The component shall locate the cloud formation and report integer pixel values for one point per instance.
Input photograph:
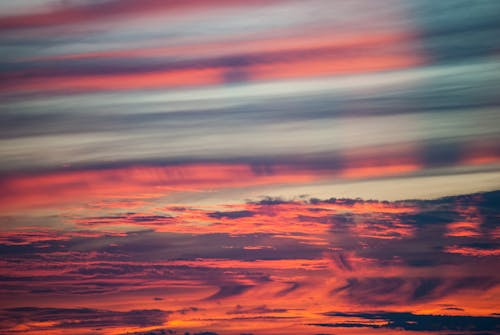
(206, 166)
(395, 91)
(40, 319)
(258, 261)
(413, 322)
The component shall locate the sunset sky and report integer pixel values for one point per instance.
(249, 167)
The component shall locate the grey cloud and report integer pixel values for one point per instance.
(455, 30)
(228, 291)
(420, 322)
(387, 291)
(231, 215)
(67, 318)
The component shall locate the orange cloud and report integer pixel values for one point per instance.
(134, 183)
(469, 251)
(133, 186)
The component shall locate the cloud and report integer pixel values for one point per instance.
(418, 322)
(231, 215)
(68, 318)
(386, 291)
(263, 309)
(267, 257)
(170, 332)
(89, 12)
(229, 291)
(292, 287)
(132, 133)
(438, 35)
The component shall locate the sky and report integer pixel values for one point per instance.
(249, 167)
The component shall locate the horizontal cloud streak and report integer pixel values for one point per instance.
(409, 321)
(45, 319)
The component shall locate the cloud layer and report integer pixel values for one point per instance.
(258, 264)
(205, 166)
(354, 90)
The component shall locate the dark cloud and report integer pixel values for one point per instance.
(293, 286)
(128, 219)
(460, 34)
(421, 322)
(66, 318)
(426, 287)
(441, 154)
(188, 310)
(453, 309)
(169, 246)
(151, 245)
(101, 279)
(155, 332)
(342, 261)
(231, 215)
(386, 291)
(229, 291)
(236, 64)
(427, 228)
(269, 201)
(263, 309)
(170, 332)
